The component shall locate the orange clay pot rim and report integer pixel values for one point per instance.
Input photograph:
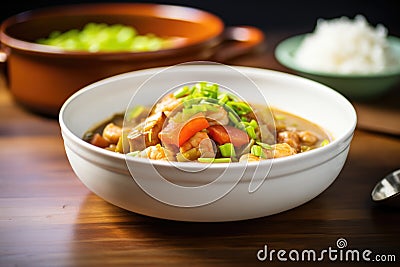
(143, 9)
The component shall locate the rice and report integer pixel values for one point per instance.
(345, 46)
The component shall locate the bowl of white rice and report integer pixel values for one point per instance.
(353, 57)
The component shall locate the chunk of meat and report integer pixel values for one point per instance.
(146, 133)
(291, 138)
(217, 117)
(308, 138)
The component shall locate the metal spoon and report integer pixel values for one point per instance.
(387, 188)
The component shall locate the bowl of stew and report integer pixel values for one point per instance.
(208, 142)
(71, 46)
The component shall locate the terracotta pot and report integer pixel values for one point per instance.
(42, 77)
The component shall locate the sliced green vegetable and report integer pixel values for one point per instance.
(182, 92)
(264, 145)
(94, 37)
(235, 120)
(204, 96)
(241, 108)
(135, 112)
(257, 151)
(247, 148)
(324, 142)
(251, 132)
(214, 160)
(227, 150)
(223, 98)
(123, 143)
(254, 124)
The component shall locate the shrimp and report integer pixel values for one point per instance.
(276, 151)
(112, 133)
(167, 105)
(198, 146)
(249, 157)
(156, 152)
(279, 150)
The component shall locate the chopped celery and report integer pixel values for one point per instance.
(204, 89)
(233, 118)
(189, 101)
(204, 96)
(94, 37)
(227, 150)
(214, 160)
(241, 108)
(251, 132)
(181, 92)
(264, 145)
(257, 151)
(254, 124)
(223, 98)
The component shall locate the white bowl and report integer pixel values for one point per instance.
(194, 194)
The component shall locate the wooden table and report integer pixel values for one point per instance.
(49, 218)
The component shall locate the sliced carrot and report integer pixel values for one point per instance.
(191, 128)
(177, 134)
(218, 134)
(228, 134)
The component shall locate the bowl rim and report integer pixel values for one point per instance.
(331, 149)
(285, 50)
(76, 9)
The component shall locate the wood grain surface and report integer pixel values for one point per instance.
(49, 218)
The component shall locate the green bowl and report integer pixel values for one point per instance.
(353, 86)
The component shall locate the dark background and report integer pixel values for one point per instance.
(298, 16)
